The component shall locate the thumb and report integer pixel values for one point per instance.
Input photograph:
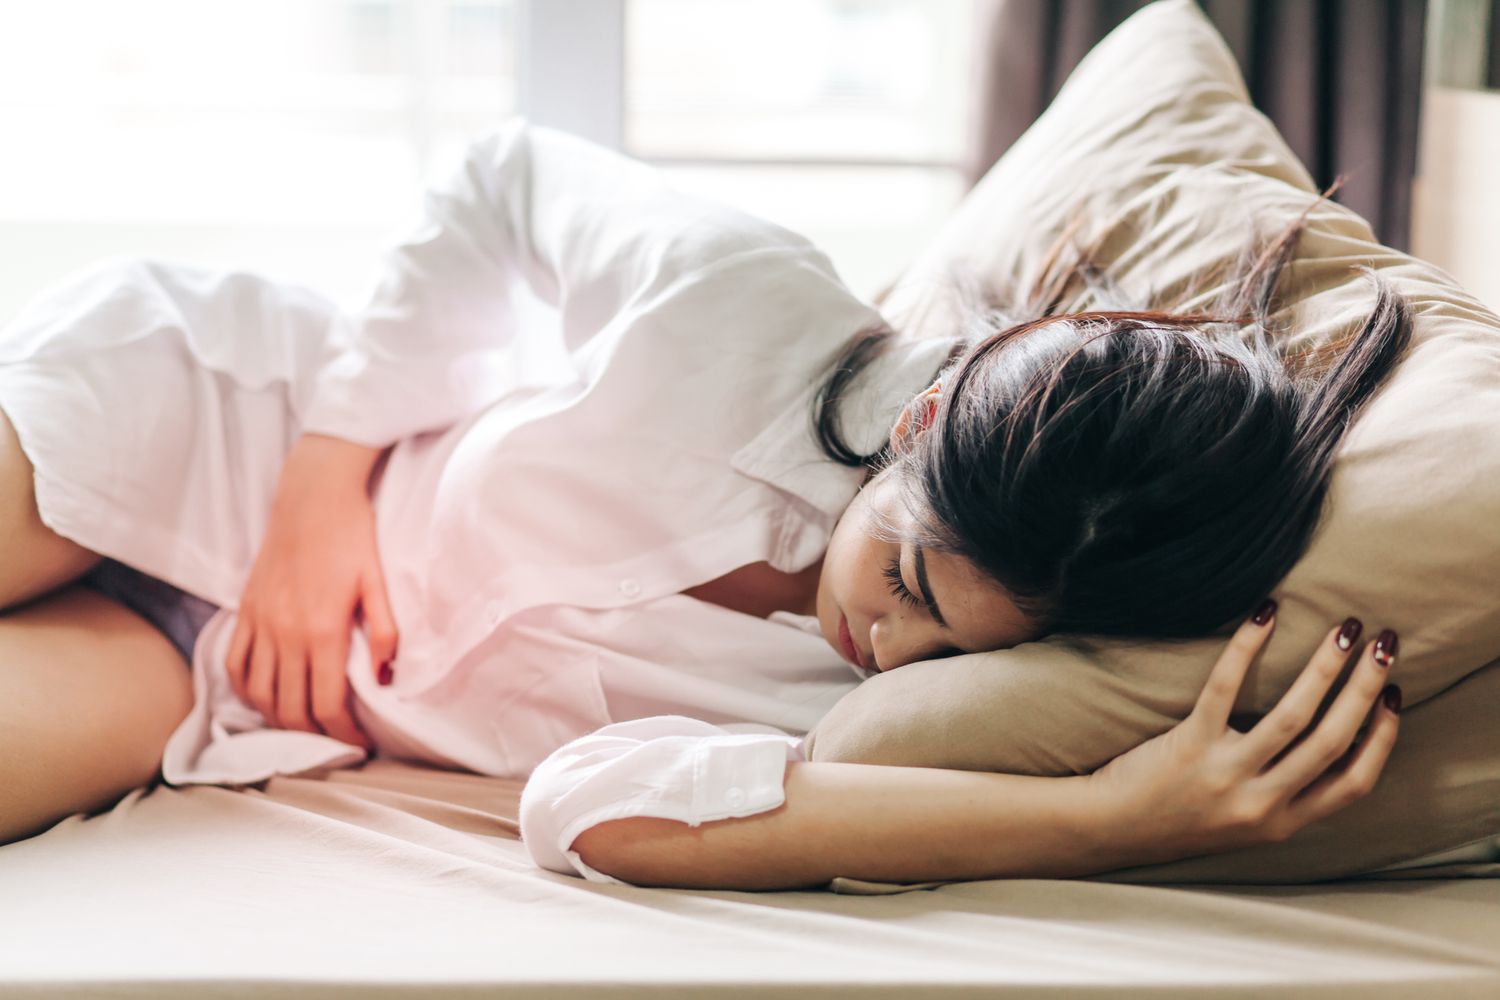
(380, 624)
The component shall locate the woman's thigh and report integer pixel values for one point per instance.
(33, 558)
(89, 693)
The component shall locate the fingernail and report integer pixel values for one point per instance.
(1265, 612)
(1385, 648)
(1349, 633)
(1392, 698)
(385, 674)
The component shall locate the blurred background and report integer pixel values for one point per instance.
(292, 137)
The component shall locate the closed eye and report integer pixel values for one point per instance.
(892, 573)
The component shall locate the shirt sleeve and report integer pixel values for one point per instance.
(530, 213)
(667, 766)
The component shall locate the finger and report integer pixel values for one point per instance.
(292, 708)
(1356, 779)
(237, 660)
(380, 623)
(1295, 710)
(331, 695)
(332, 646)
(1223, 685)
(1334, 733)
(260, 682)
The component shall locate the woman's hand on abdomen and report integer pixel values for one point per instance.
(317, 566)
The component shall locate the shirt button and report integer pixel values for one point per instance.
(734, 798)
(630, 587)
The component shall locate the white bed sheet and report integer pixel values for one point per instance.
(397, 880)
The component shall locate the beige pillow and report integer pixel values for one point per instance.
(1154, 135)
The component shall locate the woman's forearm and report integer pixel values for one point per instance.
(875, 822)
(322, 458)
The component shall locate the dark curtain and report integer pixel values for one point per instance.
(1493, 79)
(1340, 78)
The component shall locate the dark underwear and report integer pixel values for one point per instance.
(178, 615)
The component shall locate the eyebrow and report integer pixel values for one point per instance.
(932, 607)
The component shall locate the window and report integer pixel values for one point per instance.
(292, 137)
(288, 136)
(1455, 203)
(846, 120)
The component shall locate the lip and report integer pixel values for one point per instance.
(851, 651)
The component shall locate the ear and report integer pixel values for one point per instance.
(916, 417)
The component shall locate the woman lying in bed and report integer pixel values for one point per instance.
(635, 579)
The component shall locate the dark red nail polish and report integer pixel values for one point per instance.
(1385, 648)
(385, 675)
(1349, 634)
(1264, 613)
(1392, 698)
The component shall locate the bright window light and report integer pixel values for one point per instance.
(845, 120)
(282, 135)
(293, 137)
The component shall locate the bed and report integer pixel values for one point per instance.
(399, 880)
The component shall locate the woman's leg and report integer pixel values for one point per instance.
(89, 693)
(33, 558)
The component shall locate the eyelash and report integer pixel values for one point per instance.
(893, 574)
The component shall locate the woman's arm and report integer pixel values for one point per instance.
(320, 458)
(1200, 788)
(871, 821)
(529, 215)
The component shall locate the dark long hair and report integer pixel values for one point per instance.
(1129, 472)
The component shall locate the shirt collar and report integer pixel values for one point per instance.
(786, 454)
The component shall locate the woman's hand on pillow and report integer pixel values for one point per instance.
(1202, 788)
(289, 652)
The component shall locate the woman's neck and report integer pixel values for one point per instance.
(758, 589)
(805, 595)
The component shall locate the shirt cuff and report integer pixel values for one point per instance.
(666, 767)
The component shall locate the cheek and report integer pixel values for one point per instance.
(859, 576)
(852, 565)
(841, 561)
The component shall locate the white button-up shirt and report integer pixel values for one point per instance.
(599, 393)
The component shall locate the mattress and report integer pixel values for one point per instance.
(397, 880)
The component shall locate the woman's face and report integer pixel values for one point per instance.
(891, 623)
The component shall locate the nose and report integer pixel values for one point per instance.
(897, 642)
